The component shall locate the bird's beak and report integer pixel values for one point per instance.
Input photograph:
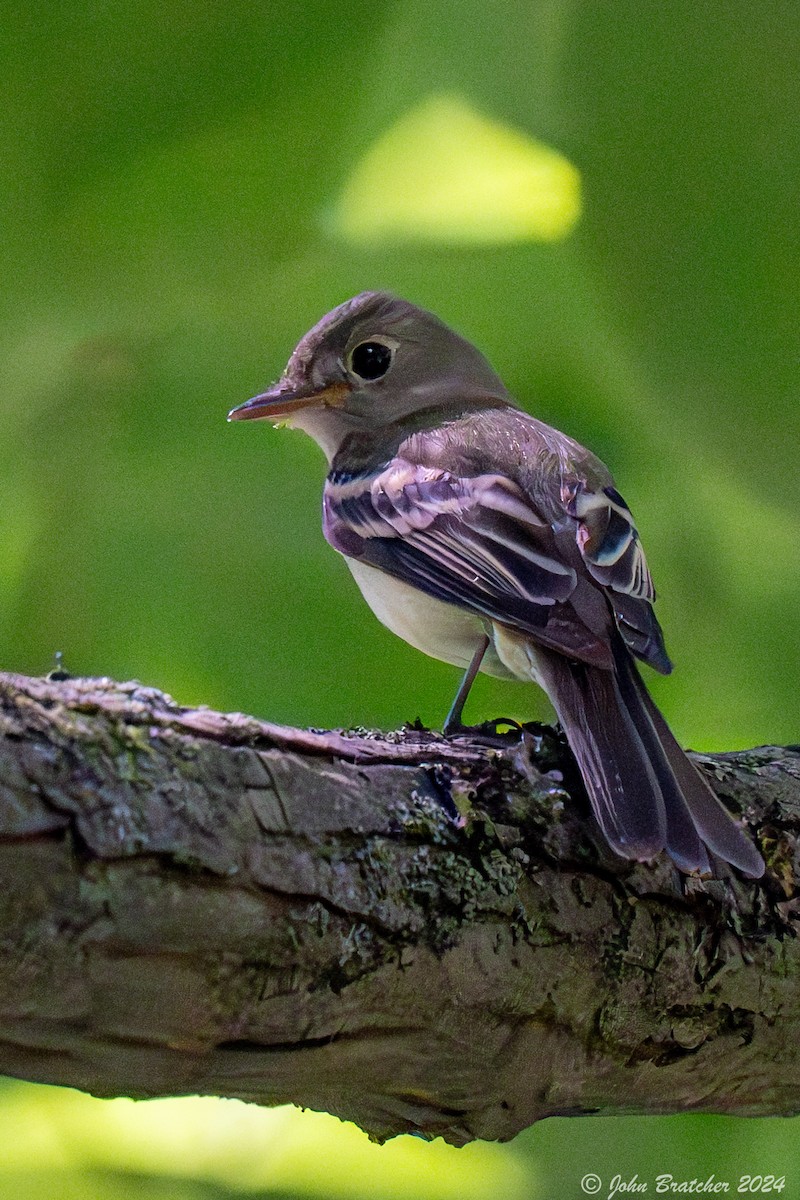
(283, 399)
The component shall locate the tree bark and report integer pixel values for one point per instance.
(412, 933)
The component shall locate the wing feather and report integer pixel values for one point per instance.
(609, 540)
(482, 542)
(477, 542)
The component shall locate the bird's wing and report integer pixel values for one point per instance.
(607, 538)
(609, 544)
(478, 542)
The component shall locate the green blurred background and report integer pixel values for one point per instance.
(186, 188)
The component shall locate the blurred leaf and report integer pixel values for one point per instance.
(445, 173)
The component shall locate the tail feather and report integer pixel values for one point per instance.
(712, 820)
(684, 843)
(645, 793)
(619, 778)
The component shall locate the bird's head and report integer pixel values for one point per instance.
(370, 362)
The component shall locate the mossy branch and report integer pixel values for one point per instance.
(411, 933)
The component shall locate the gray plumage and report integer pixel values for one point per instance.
(484, 536)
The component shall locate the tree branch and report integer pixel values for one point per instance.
(204, 903)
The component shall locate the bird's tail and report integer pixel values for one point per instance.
(646, 794)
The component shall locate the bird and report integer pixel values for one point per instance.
(490, 540)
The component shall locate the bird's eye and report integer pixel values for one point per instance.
(371, 360)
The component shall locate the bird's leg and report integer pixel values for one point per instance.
(453, 723)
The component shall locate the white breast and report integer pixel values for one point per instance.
(438, 629)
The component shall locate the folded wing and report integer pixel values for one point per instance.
(481, 543)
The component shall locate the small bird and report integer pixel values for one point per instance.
(492, 541)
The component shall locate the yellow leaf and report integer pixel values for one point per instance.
(445, 173)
